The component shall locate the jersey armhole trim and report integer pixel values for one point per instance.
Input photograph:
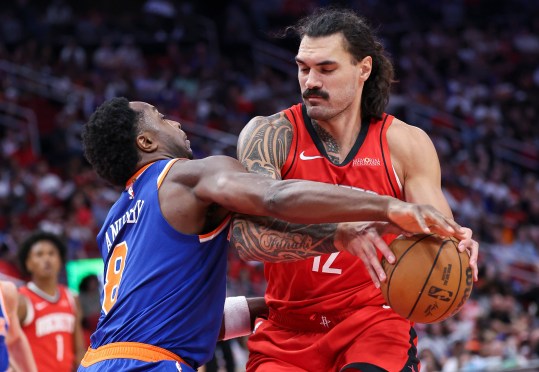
(164, 172)
(291, 157)
(387, 159)
(30, 314)
(71, 299)
(209, 236)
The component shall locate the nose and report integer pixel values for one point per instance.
(313, 80)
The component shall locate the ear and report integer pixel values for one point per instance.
(365, 68)
(146, 142)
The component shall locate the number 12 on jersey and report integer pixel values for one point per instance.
(326, 268)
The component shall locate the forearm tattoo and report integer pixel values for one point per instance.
(263, 148)
(271, 240)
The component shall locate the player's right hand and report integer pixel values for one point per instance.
(416, 218)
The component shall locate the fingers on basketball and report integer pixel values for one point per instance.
(430, 280)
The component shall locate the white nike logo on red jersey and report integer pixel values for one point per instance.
(302, 156)
(41, 306)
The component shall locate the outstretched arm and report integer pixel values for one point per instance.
(415, 159)
(19, 349)
(263, 147)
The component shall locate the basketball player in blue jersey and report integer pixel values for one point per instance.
(164, 241)
(15, 350)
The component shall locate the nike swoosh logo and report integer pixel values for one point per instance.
(302, 156)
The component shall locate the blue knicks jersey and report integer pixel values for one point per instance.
(161, 287)
(4, 324)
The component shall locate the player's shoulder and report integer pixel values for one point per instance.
(189, 172)
(9, 294)
(264, 132)
(399, 127)
(259, 124)
(401, 134)
(8, 288)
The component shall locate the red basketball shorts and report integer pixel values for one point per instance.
(365, 339)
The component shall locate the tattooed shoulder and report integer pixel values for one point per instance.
(264, 144)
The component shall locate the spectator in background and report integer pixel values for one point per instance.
(90, 303)
(452, 48)
(49, 314)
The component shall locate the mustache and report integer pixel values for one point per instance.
(316, 93)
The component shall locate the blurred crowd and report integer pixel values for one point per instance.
(467, 72)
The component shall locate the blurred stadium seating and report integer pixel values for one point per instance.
(467, 71)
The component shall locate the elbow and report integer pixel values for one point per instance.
(278, 201)
(245, 255)
(240, 238)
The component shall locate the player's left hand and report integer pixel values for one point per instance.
(363, 239)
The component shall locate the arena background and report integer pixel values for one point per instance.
(467, 71)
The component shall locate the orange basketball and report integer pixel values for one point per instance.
(430, 280)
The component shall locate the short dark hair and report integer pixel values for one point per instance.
(108, 140)
(39, 236)
(84, 285)
(360, 41)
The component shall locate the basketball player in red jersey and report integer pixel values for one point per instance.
(15, 351)
(49, 314)
(326, 313)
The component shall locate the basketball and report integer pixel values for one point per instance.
(430, 280)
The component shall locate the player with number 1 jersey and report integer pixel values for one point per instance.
(49, 326)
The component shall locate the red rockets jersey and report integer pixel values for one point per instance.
(338, 281)
(49, 327)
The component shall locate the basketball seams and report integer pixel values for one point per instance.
(442, 317)
(427, 279)
(434, 268)
(397, 263)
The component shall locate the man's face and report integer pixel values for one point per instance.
(172, 139)
(330, 80)
(44, 260)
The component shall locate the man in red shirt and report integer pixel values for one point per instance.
(49, 314)
(326, 313)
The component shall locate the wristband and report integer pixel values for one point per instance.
(237, 317)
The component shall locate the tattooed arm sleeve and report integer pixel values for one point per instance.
(263, 147)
